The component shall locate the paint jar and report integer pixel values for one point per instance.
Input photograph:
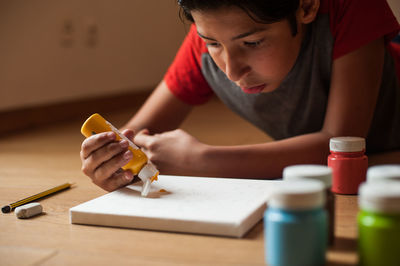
(322, 173)
(349, 164)
(379, 224)
(384, 173)
(296, 224)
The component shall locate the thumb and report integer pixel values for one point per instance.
(142, 138)
(144, 131)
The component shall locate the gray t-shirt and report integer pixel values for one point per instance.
(298, 106)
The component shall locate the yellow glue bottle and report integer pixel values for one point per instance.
(139, 165)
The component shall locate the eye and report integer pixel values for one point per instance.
(212, 44)
(253, 44)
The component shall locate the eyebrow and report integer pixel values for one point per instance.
(240, 36)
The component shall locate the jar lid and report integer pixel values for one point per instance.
(309, 171)
(383, 173)
(381, 197)
(347, 144)
(298, 195)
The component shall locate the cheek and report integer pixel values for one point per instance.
(274, 62)
(217, 56)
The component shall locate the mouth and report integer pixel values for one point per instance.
(254, 89)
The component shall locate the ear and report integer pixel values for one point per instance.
(308, 10)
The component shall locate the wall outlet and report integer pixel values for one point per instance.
(91, 33)
(67, 33)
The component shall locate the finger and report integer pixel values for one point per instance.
(128, 133)
(108, 168)
(117, 180)
(144, 131)
(103, 154)
(142, 138)
(94, 142)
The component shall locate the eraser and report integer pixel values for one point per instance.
(28, 210)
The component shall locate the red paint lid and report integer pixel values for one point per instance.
(347, 144)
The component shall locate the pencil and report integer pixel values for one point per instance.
(12, 206)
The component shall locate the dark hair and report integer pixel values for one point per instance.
(262, 11)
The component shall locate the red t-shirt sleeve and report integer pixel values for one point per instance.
(354, 23)
(184, 77)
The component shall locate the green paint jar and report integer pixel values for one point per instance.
(379, 224)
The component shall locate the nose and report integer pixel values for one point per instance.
(235, 66)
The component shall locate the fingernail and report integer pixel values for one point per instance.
(111, 135)
(127, 155)
(124, 144)
(128, 177)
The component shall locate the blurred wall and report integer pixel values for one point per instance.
(395, 5)
(59, 50)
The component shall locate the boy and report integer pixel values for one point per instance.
(301, 70)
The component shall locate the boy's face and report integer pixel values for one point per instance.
(255, 56)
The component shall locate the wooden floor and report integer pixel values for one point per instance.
(38, 159)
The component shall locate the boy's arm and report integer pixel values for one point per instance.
(161, 112)
(354, 90)
(356, 78)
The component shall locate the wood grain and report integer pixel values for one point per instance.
(34, 160)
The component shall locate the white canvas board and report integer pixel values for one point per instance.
(201, 205)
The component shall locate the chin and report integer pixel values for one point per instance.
(269, 88)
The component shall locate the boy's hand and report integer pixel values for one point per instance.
(172, 152)
(102, 158)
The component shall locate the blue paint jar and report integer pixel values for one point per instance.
(321, 173)
(295, 224)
